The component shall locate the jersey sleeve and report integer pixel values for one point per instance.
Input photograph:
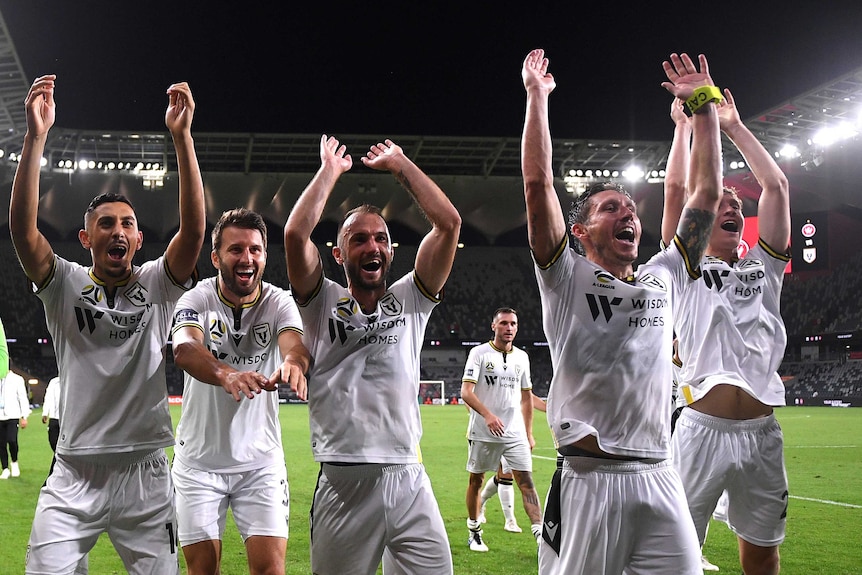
(471, 368)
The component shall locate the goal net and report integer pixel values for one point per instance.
(432, 392)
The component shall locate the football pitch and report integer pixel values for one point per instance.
(823, 451)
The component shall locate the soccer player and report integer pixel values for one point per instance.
(731, 342)
(237, 334)
(497, 387)
(616, 503)
(373, 497)
(109, 323)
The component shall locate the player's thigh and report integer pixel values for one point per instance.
(143, 525)
(347, 522)
(261, 502)
(518, 456)
(202, 500)
(70, 515)
(483, 456)
(418, 543)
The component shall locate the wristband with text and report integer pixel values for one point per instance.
(702, 96)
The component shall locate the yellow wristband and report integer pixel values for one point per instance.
(702, 96)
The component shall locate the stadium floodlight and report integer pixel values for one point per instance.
(831, 134)
(82, 164)
(633, 173)
(43, 161)
(789, 151)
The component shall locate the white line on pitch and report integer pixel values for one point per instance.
(827, 502)
(820, 446)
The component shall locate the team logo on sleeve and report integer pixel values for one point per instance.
(262, 334)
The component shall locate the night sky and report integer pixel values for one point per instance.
(418, 68)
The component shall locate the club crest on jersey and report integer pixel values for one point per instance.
(390, 305)
(653, 281)
(137, 295)
(262, 334)
(91, 294)
(489, 366)
(748, 264)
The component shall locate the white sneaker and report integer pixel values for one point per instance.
(512, 526)
(5, 474)
(706, 565)
(481, 518)
(15, 471)
(476, 543)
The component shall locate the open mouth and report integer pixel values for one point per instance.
(626, 235)
(245, 274)
(730, 226)
(372, 266)
(117, 252)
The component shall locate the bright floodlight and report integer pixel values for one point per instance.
(111, 165)
(789, 151)
(633, 173)
(829, 135)
(43, 161)
(82, 164)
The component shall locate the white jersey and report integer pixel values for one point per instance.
(51, 403)
(611, 347)
(730, 328)
(14, 403)
(111, 356)
(500, 376)
(216, 433)
(364, 383)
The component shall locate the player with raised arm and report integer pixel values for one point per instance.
(731, 342)
(616, 503)
(109, 323)
(373, 498)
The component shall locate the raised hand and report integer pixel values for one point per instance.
(728, 115)
(683, 76)
(535, 74)
(677, 112)
(334, 155)
(384, 156)
(181, 108)
(40, 105)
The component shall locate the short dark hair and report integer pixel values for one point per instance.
(240, 218)
(360, 209)
(504, 310)
(105, 198)
(580, 210)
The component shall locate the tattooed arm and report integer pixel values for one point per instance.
(437, 251)
(704, 182)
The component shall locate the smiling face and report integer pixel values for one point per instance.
(729, 223)
(240, 261)
(611, 233)
(365, 250)
(112, 236)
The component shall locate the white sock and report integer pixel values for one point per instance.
(473, 525)
(490, 489)
(507, 500)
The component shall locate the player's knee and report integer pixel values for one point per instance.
(759, 560)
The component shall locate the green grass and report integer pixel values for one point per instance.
(824, 462)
